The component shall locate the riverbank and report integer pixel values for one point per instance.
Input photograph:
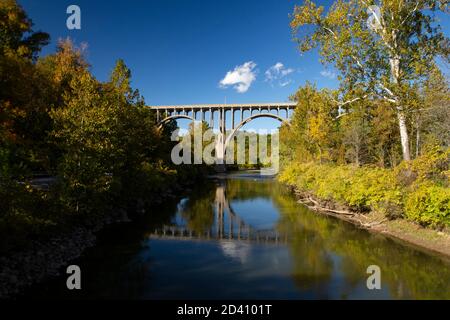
(47, 258)
(410, 201)
(409, 233)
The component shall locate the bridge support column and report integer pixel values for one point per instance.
(220, 144)
(224, 121)
(211, 118)
(232, 118)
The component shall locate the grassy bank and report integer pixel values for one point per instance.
(417, 191)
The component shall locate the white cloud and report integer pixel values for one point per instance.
(278, 73)
(285, 83)
(241, 78)
(328, 74)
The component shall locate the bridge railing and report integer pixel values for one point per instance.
(165, 112)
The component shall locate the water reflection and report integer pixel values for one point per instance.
(209, 215)
(247, 238)
(327, 258)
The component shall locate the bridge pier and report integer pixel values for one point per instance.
(232, 119)
(220, 144)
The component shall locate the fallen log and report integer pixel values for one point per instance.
(317, 204)
(352, 216)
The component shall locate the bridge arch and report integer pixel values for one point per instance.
(249, 119)
(175, 117)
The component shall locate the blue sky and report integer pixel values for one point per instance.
(179, 51)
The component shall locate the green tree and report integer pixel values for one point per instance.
(110, 142)
(137, 140)
(379, 51)
(83, 131)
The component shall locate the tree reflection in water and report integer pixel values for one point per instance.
(322, 246)
(213, 245)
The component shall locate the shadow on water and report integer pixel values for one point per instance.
(242, 236)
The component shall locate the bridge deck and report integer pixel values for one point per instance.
(289, 105)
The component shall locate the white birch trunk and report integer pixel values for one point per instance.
(403, 134)
(404, 138)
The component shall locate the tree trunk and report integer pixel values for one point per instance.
(395, 73)
(417, 137)
(403, 134)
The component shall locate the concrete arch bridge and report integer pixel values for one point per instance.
(280, 111)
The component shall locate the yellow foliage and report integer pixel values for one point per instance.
(423, 197)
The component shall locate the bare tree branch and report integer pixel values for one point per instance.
(341, 104)
(410, 13)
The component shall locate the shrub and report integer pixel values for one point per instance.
(418, 190)
(362, 189)
(25, 214)
(429, 205)
(433, 165)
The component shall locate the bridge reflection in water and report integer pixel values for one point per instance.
(324, 258)
(228, 226)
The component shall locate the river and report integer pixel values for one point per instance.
(244, 236)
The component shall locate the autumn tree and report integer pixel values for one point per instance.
(380, 47)
(61, 67)
(23, 102)
(382, 139)
(17, 37)
(355, 128)
(313, 126)
(433, 117)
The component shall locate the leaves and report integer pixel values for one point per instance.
(16, 34)
(425, 199)
(385, 62)
(98, 140)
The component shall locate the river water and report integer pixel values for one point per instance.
(244, 236)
